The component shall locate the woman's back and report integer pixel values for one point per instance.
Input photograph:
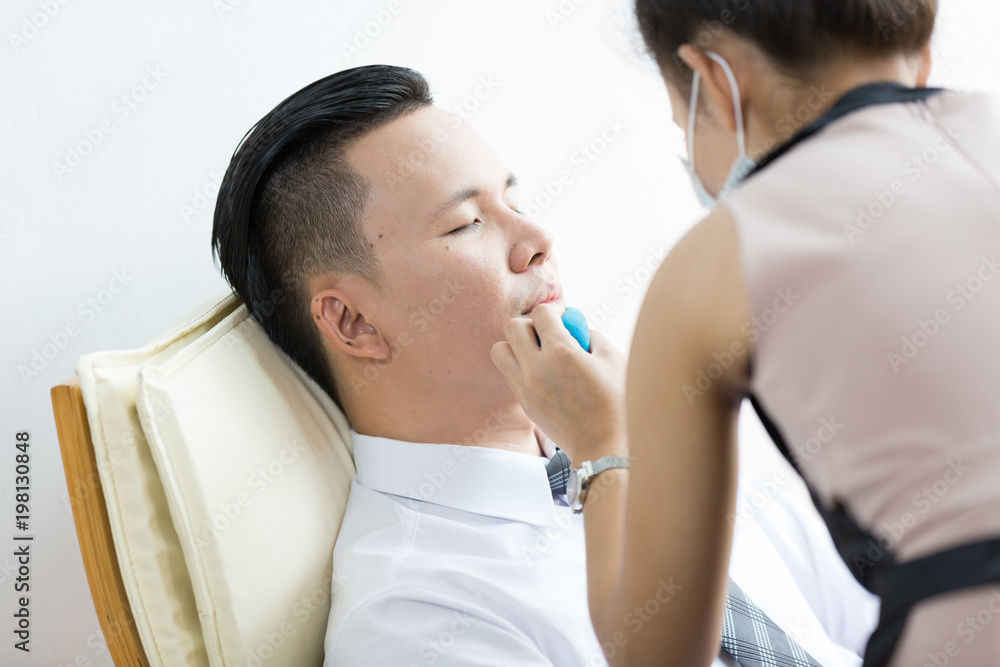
(871, 258)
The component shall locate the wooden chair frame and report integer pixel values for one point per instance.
(93, 529)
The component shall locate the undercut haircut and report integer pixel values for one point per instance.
(290, 206)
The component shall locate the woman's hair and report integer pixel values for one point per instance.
(798, 35)
(290, 206)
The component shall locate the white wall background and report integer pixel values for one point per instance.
(138, 204)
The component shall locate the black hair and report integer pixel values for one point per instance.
(290, 206)
(798, 35)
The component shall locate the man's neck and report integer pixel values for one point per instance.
(500, 426)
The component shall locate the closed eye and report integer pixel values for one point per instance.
(461, 230)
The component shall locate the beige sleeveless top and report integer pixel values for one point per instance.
(871, 260)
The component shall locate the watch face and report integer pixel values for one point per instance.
(573, 487)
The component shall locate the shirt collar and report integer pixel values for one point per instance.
(482, 480)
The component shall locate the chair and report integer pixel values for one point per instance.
(208, 476)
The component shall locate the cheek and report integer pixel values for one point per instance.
(481, 301)
(460, 303)
(454, 306)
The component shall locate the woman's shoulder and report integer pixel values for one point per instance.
(697, 300)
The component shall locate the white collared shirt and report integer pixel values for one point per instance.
(458, 555)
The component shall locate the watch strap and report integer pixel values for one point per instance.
(605, 463)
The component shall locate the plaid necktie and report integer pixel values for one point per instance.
(748, 634)
(558, 470)
(754, 639)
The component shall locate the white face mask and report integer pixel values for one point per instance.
(743, 164)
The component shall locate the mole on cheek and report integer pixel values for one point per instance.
(380, 236)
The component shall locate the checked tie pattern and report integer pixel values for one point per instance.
(558, 470)
(748, 634)
(751, 637)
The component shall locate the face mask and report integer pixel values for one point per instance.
(743, 164)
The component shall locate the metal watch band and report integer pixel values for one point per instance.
(606, 463)
(585, 473)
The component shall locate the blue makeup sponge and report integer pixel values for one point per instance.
(576, 323)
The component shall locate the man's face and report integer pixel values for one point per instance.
(458, 260)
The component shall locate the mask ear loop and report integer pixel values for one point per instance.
(692, 110)
(737, 107)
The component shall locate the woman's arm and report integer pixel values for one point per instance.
(687, 374)
(657, 539)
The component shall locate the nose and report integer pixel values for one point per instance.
(532, 244)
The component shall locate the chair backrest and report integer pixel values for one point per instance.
(93, 528)
(224, 471)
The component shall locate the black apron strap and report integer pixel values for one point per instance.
(900, 586)
(857, 547)
(871, 94)
(906, 584)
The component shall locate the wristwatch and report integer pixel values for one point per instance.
(579, 478)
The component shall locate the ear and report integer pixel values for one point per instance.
(344, 327)
(714, 84)
(924, 61)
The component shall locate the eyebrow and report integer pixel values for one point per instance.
(464, 195)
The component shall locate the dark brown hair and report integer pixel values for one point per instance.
(798, 35)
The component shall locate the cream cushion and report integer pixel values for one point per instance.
(149, 553)
(255, 463)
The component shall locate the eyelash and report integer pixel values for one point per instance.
(473, 224)
(466, 228)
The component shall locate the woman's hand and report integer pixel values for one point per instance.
(577, 398)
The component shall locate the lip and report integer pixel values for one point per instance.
(550, 293)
